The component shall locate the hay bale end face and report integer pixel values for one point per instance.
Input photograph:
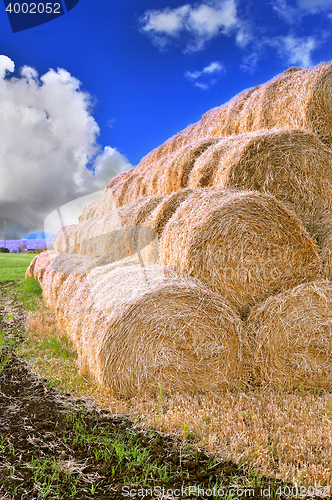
(243, 245)
(176, 334)
(291, 335)
(292, 165)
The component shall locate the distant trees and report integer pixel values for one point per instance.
(21, 248)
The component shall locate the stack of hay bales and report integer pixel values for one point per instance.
(298, 99)
(231, 201)
(294, 166)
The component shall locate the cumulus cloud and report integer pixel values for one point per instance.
(207, 77)
(296, 50)
(198, 24)
(48, 146)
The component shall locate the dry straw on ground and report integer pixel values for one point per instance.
(176, 334)
(292, 337)
(294, 166)
(297, 99)
(243, 245)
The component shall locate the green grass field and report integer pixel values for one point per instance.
(13, 266)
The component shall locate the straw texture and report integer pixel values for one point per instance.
(166, 176)
(242, 245)
(176, 334)
(297, 99)
(294, 166)
(292, 337)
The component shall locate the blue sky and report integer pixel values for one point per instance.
(131, 74)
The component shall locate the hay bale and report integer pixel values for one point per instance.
(292, 337)
(163, 212)
(66, 239)
(89, 211)
(139, 210)
(120, 282)
(298, 99)
(67, 263)
(153, 211)
(120, 189)
(294, 166)
(52, 283)
(69, 238)
(166, 176)
(176, 334)
(73, 305)
(242, 245)
(43, 260)
(326, 256)
(30, 271)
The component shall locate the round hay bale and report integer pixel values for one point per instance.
(120, 189)
(52, 283)
(168, 175)
(171, 173)
(163, 212)
(66, 238)
(292, 337)
(73, 304)
(177, 335)
(67, 263)
(139, 210)
(292, 165)
(70, 238)
(326, 256)
(117, 283)
(30, 271)
(297, 99)
(43, 260)
(242, 245)
(89, 210)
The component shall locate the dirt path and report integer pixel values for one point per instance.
(55, 447)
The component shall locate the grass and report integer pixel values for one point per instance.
(13, 266)
(269, 432)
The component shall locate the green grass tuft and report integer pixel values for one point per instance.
(30, 293)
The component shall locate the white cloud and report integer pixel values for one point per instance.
(202, 22)
(47, 139)
(314, 6)
(296, 50)
(303, 7)
(208, 74)
(285, 11)
(6, 66)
